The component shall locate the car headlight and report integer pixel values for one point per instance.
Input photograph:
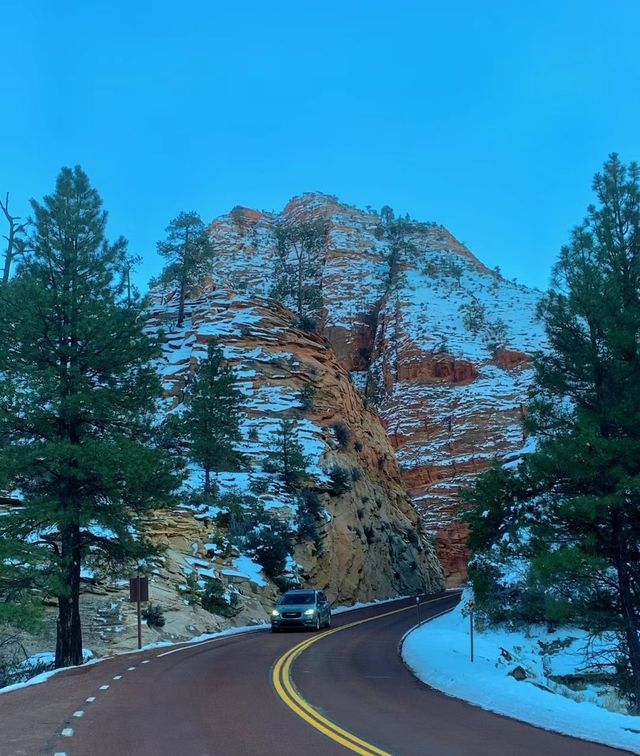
(275, 613)
(309, 612)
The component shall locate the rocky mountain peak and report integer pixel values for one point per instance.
(432, 337)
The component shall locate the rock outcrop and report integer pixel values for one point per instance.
(373, 545)
(438, 343)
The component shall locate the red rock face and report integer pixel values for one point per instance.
(441, 348)
(373, 545)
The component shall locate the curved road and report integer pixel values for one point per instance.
(220, 698)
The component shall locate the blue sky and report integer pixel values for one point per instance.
(490, 118)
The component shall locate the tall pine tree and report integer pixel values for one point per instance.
(77, 405)
(577, 498)
(300, 246)
(188, 248)
(212, 416)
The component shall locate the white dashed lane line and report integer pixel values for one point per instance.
(78, 713)
(118, 677)
(130, 669)
(91, 699)
(146, 661)
(104, 687)
(67, 732)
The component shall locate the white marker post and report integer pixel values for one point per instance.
(470, 605)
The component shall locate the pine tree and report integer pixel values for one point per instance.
(287, 457)
(188, 248)
(212, 417)
(77, 405)
(300, 246)
(578, 496)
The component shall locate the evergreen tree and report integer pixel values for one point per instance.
(300, 246)
(212, 417)
(287, 457)
(577, 498)
(188, 248)
(77, 406)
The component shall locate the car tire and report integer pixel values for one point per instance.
(317, 622)
(328, 625)
(274, 629)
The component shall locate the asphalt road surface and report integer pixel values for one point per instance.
(255, 694)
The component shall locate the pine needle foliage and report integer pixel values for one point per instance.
(572, 509)
(78, 401)
(211, 420)
(188, 250)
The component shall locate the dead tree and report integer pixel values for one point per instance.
(15, 244)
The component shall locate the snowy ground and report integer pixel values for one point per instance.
(438, 654)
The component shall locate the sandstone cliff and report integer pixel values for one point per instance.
(439, 344)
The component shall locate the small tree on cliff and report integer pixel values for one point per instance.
(188, 248)
(577, 498)
(300, 246)
(212, 417)
(287, 457)
(77, 407)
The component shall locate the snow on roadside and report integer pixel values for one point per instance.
(438, 654)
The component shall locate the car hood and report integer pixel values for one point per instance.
(294, 607)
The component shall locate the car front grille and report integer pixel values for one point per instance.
(291, 615)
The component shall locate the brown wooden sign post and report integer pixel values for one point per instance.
(139, 592)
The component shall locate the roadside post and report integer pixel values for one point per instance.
(470, 605)
(139, 592)
(418, 608)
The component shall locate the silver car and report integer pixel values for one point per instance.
(302, 608)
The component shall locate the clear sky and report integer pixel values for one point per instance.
(489, 117)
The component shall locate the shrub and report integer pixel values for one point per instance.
(271, 545)
(308, 529)
(341, 480)
(215, 601)
(190, 591)
(342, 433)
(259, 486)
(253, 433)
(356, 474)
(474, 316)
(154, 616)
(357, 445)
(309, 502)
(307, 323)
(306, 397)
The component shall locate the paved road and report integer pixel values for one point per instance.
(218, 699)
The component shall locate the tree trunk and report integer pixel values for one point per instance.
(183, 291)
(207, 481)
(627, 606)
(183, 276)
(69, 629)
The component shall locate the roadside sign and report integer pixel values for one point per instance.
(143, 583)
(139, 592)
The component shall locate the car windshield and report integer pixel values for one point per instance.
(298, 598)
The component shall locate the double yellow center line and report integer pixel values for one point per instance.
(282, 682)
